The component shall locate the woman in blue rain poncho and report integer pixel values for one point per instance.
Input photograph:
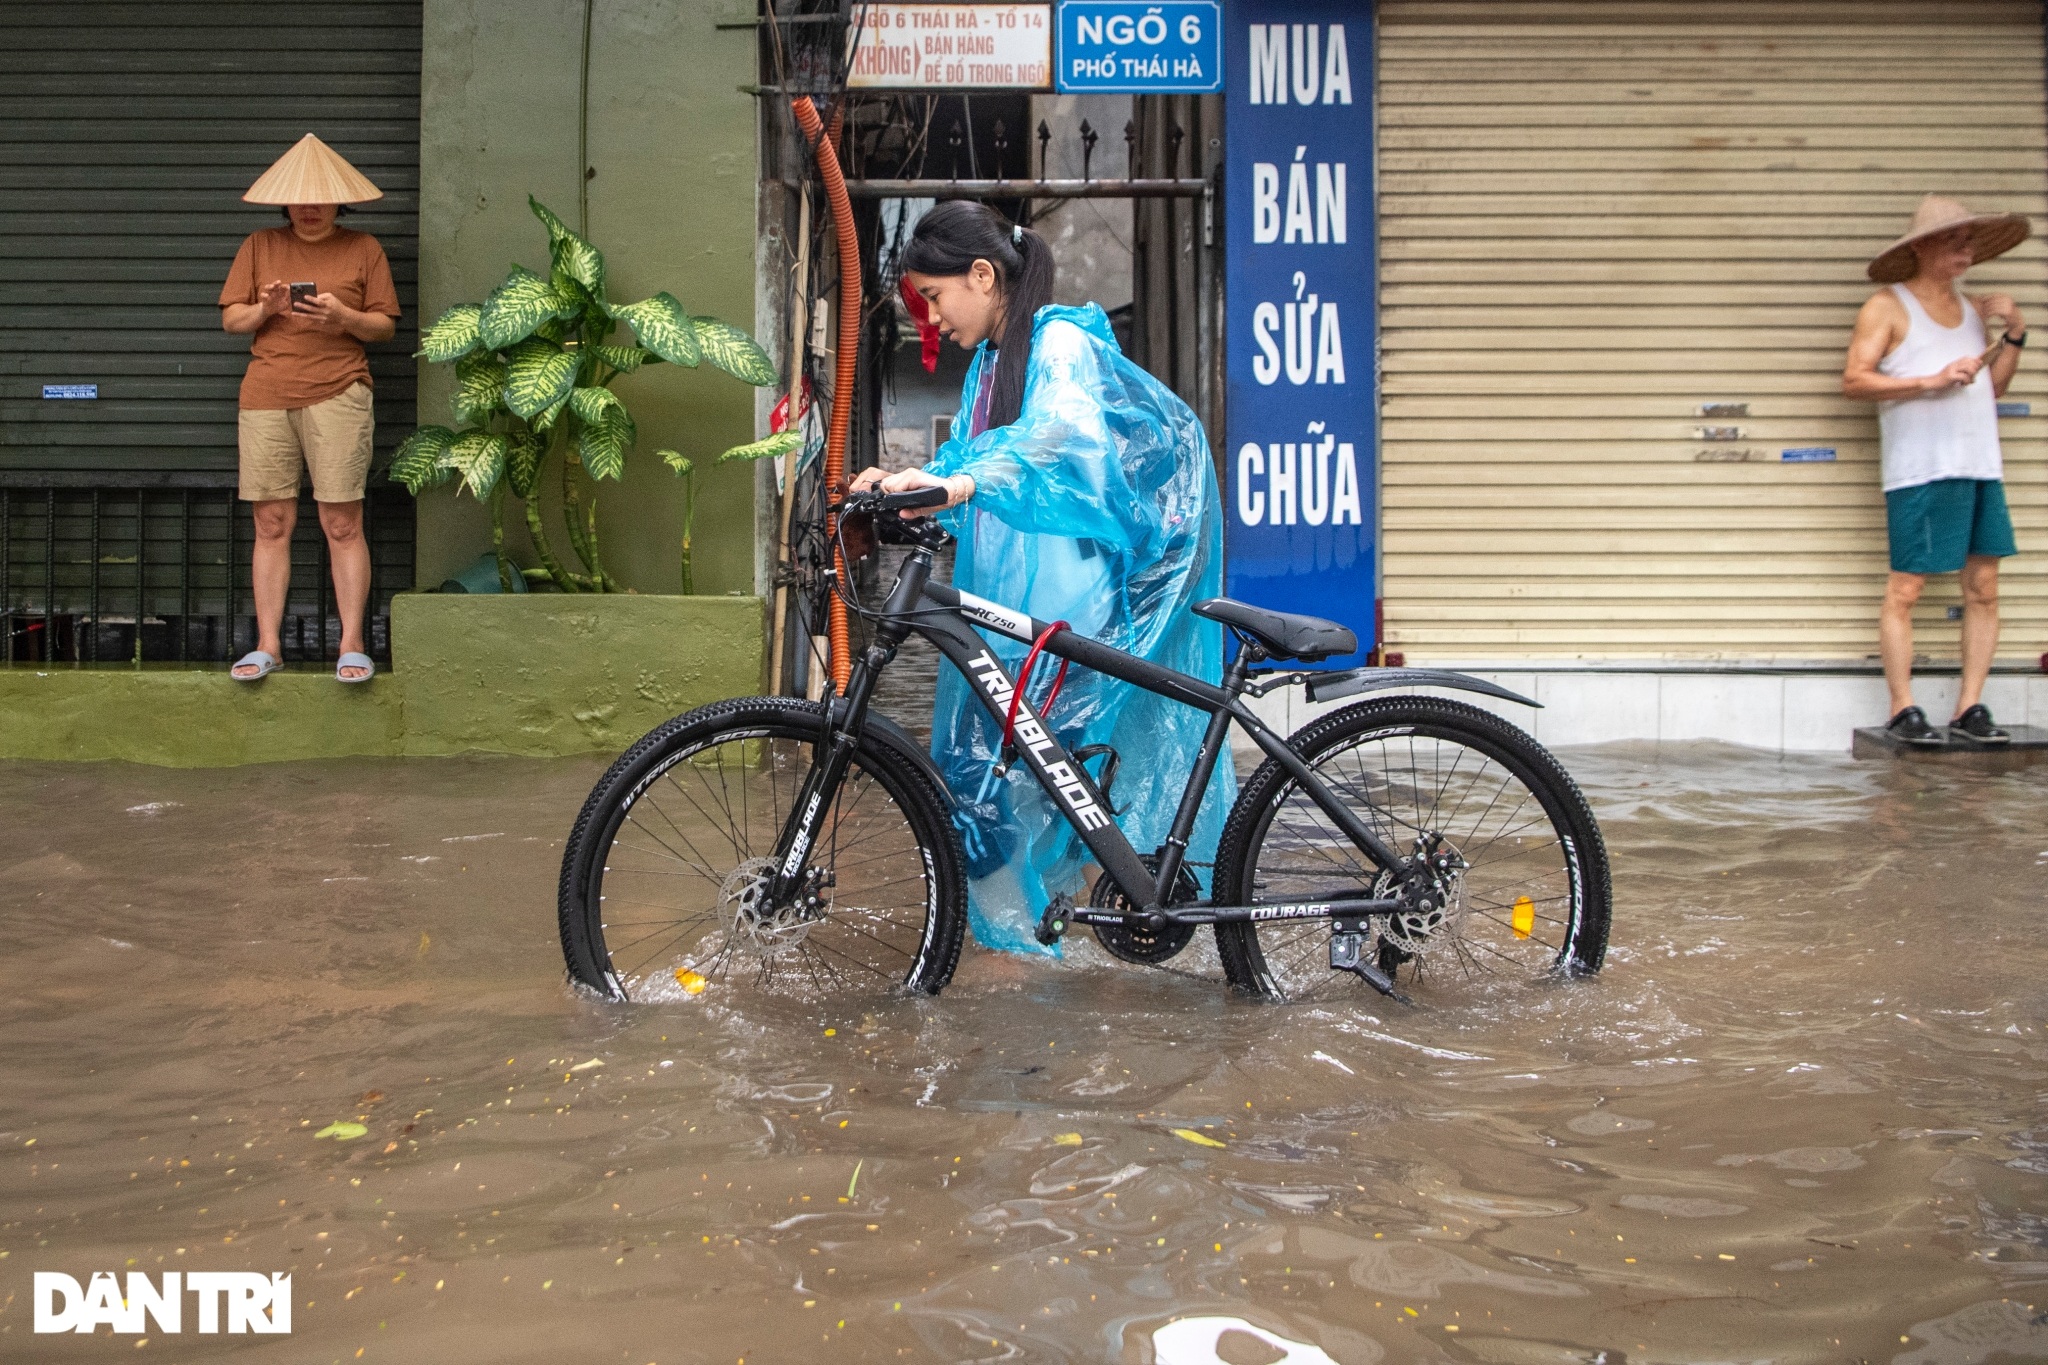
(1080, 490)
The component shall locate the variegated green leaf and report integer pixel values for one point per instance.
(522, 461)
(602, 444)
(767, 448)
(543, 421)
(625, 359)
(733, 351)
(591, 402)
(455, 334)
(417, 464)
(663, 328)
(676, 460)
(557, 329)
(479, 387)
(576, 301)
(479, 457)
(574, 256)
(516, 307)
(539, 376)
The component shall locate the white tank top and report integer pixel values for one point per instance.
(1952, 435)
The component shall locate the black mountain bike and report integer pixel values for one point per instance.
(790, 844)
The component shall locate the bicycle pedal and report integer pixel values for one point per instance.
(1054, 921)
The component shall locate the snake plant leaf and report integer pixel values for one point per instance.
(479, 386)
(417, 464)
(516, 307)
(663, 328)
(625, 359)
(522, 461)
(539, 375)
(479, 457)
(676, 460)
(455, 334)
(767, 448)
(591, 402)
(733, 351)
(602, 444)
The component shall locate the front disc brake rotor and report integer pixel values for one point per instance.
(1133, 940)
(747, 918)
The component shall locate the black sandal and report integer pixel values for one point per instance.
(1976, 727)
(1910, 727)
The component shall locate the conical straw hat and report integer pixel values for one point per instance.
(1991, 234)
(312, 173)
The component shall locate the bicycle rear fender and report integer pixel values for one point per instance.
(1352, 681)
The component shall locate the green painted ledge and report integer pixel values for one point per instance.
(534, 674)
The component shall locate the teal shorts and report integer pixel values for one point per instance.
(1935, 526)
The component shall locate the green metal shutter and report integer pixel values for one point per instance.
(127, 135)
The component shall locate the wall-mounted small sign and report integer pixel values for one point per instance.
(71, 390)
(1724, 409)
(2015, 409)
(994, 46)
(1808, 455)
(1133, 46)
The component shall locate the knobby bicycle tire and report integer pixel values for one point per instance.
(1535, 898)
(682, 824)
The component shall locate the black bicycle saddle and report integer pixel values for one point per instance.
(1283, 636)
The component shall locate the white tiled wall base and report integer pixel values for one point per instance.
(1781, 712)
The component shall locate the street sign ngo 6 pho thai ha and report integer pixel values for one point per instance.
(1299, 303)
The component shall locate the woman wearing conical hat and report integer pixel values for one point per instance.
(1935, 360)
(309, 294)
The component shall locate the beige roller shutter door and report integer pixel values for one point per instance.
(1595, 218)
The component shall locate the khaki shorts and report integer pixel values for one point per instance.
(331, 438)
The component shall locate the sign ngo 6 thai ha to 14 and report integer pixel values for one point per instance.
(1301, 438)
(941, 46)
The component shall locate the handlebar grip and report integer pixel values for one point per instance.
(916, 497)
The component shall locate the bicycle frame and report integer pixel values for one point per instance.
(941, 614)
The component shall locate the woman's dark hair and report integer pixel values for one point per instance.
(948, 240)
(340, 211)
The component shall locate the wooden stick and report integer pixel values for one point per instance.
(798, 332)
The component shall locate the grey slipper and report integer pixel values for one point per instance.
(354, 660)
(264, 662)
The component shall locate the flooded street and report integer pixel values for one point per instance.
(1802, 1116)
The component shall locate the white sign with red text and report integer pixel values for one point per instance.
(942, 46)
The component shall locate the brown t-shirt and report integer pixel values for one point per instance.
(292, 365)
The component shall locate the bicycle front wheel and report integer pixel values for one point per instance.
(1530, 893)
(662, 879)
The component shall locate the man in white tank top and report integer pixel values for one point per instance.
(1920, 352)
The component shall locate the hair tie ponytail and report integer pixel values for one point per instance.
(1016, 234)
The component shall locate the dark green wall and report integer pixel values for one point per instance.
(671, 206)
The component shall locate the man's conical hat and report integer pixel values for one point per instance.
(312, 173)
(1991, 234)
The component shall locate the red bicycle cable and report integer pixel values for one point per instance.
(1024, 677)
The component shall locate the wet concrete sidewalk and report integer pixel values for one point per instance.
(1799, 1117)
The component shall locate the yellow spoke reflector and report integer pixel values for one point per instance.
(1524, 919)
(695, 984)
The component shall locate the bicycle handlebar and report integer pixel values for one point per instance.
(871, 500)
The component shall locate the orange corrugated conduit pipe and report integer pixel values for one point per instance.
(823, 144)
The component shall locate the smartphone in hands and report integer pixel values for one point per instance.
(303, 291)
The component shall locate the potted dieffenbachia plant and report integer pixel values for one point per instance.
(534, 365)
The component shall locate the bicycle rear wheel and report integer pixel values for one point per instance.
(661, 881)
(1532, 896)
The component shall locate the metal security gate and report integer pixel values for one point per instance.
(127, 135)
(1622, 246)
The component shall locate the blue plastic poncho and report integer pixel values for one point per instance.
(1097, 507)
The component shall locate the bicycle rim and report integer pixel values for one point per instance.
(688, 846)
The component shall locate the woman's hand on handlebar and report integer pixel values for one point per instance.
(959, 488)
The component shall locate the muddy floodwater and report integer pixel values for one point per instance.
(1802, 1116)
